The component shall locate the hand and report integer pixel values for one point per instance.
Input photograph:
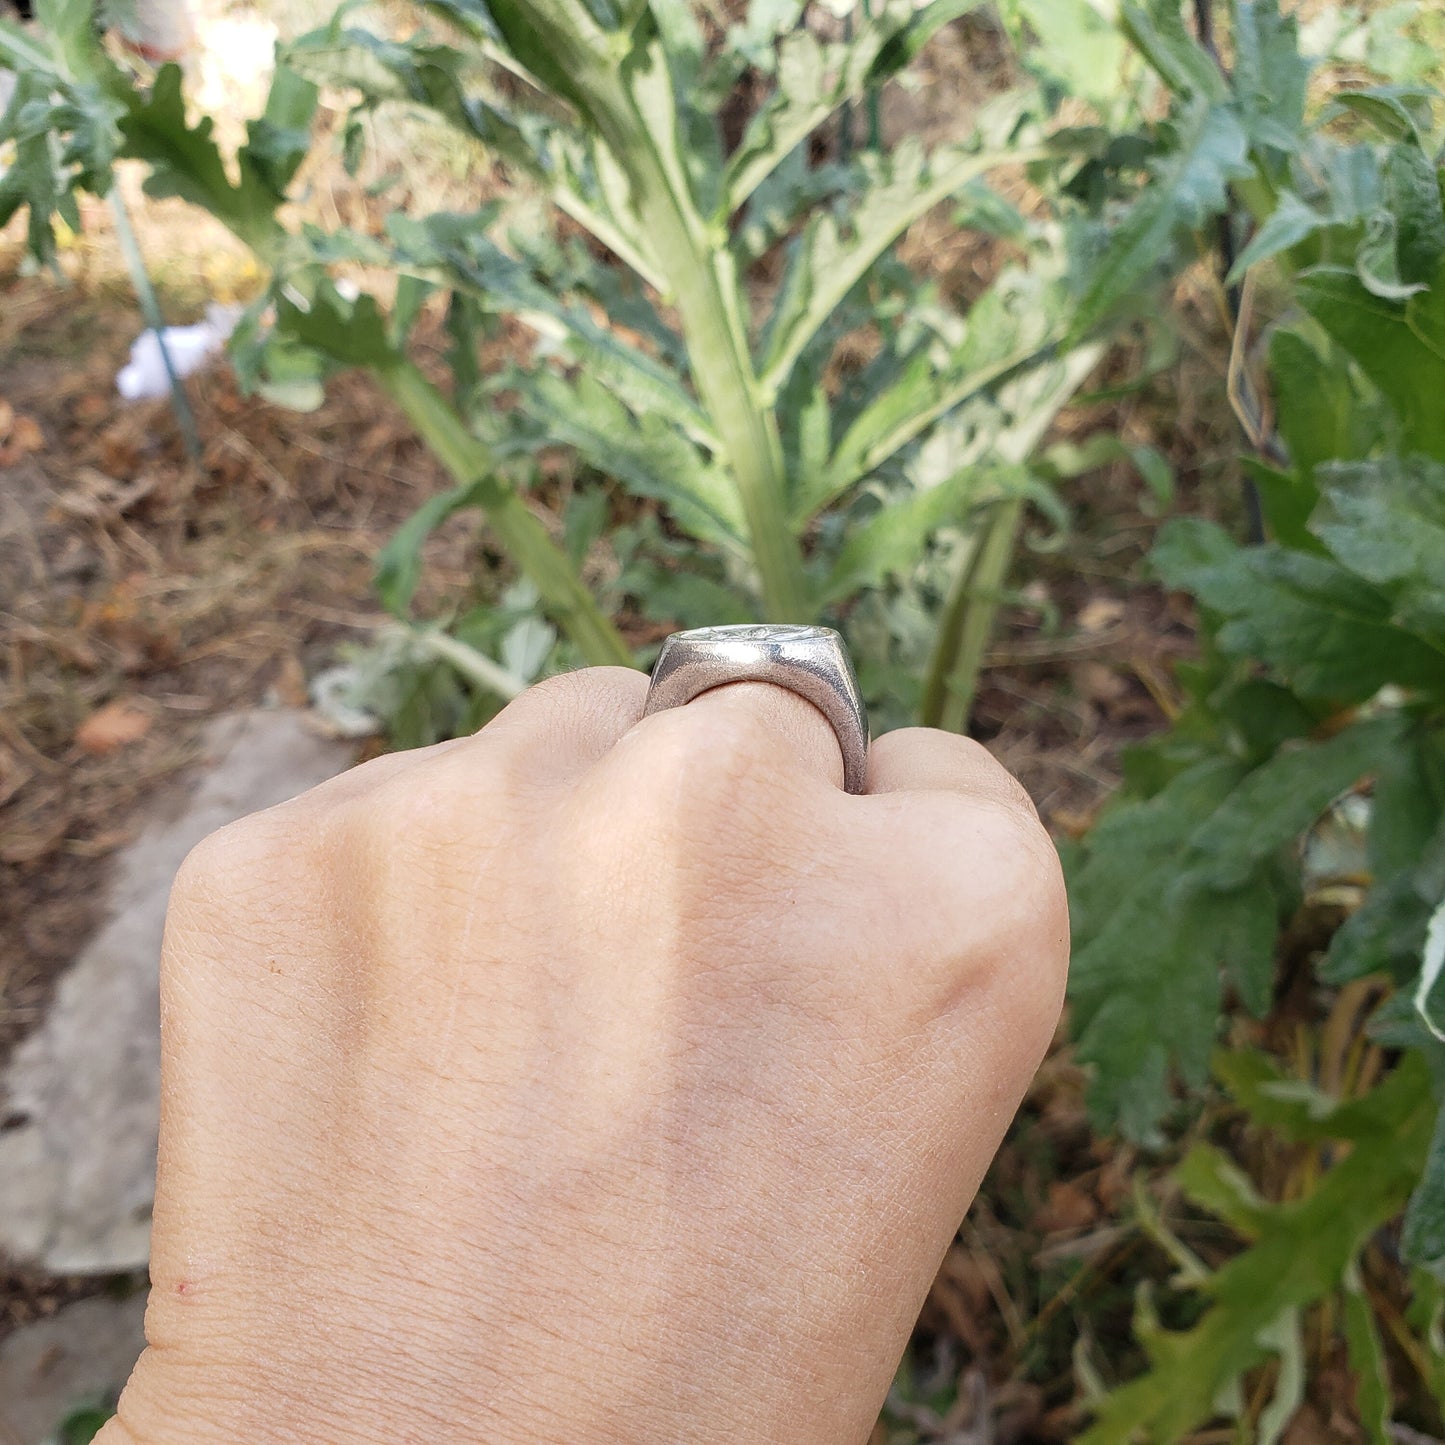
(588, 1080)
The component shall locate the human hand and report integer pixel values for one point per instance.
(588, 1080)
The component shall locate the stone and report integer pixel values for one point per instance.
(82, 1092)
(82, 1355)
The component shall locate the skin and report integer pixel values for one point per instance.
(588, 1080)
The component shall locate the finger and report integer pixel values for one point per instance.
(561, 726)
(928, 760)
(793, 732)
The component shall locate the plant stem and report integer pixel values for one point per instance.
(521, 534)
(475, 666)
(698, 267)
(150, 307)
(967, 622)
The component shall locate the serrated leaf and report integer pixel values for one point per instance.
(814, 79)
(1285, 227)
(1150, 943)
(1072, 48)
(895, 538)
(1386, 522)
(1292, 1108)
(643, 452)
(1186, 189)
(456, 248)
(1008, 329)
(1269, 76)
(1423, 1238)
(60, 117)
(1209, 1178)
(185, 161)
(1304, 1253)
(1400, 346)
(1328, 633)
(1274, 805)
(836, 252)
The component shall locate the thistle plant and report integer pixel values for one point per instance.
(789, 485)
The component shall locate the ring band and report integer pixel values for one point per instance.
(809, 661)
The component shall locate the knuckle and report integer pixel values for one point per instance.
(718, 763)
(999, 785)
(227, 861)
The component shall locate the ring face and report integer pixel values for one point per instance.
(810, 661)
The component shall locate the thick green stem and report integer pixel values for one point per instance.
(706, 297)
(521, 534)
(625, 93)
(968, 619)
(698, 267)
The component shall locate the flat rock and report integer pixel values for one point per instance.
(82, 1092)
(80, 1356)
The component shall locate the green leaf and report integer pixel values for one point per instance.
(1400, 346)
(1279, 800)
(1304, 1252)
(1327, 632)
(1151, 939)
(835, 253)
(1208, 1177)
(1157, 32)
(82, 1426)
(1386, 522)
(1293, 1108)
(562, 44)
(279, 140)
(643, 452)
(1374, 1399)
(895, 538)
(814, 79)
(1320, 415)
(1398, 112)
(1286, 499)
(1009, 330)
(1412, 184)
(1185, 190)
(186, 162)
(399, 563)
(454, 248)
(349, 333)
(1270, 75)
(1071, 47)
(1284, 228)
(1423, 1239)
(1377, 261)
(60, 116)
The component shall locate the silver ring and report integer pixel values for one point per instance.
(810, 661)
